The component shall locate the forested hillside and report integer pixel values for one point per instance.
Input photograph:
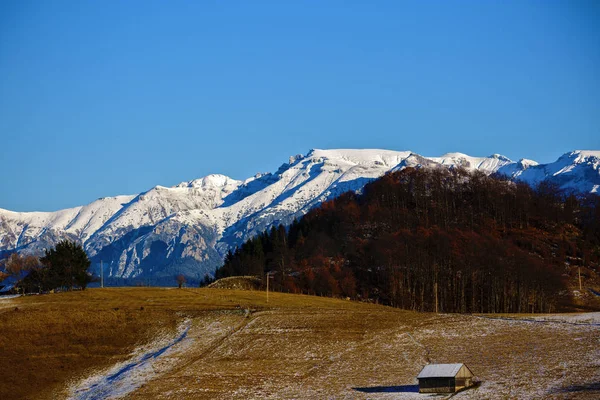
(473, 242)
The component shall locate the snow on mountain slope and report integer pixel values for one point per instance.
(485, 164)
(301, 185)
(21, 229)
(578, 170)
(151, 207)
(189, 227)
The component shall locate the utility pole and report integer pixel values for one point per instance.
(101, 274)
(579, 278)
(436, 296)
(268, 276)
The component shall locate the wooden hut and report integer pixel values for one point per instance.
(444, 378)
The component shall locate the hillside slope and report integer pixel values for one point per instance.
(292, 347)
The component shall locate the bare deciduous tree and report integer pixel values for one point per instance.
(180, 280)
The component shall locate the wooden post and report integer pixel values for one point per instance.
(579, 278)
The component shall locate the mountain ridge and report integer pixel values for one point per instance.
(189, 227)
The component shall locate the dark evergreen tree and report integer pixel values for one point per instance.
(65, 266)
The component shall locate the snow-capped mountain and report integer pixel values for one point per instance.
(577, 171)
(189, 227)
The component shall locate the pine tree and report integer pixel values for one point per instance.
(66, 266)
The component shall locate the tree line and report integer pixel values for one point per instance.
(63, 267)
(427, 239)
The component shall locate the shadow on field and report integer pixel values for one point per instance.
(590, 387)
(389, 389)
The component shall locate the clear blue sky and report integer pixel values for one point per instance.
(99, 98)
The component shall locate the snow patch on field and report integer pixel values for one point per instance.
(582, 318)
(8, 297)
(146, 364)
(591, 318)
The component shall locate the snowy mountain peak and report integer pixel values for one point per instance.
(212, 181)
(295, 158)
(455, 155)
(525, 163)
(388, 158)
(500, 157)
(485, 164)
(575, 171)
(583, 156)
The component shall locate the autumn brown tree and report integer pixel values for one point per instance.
(420, 237)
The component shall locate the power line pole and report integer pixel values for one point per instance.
(101, 274)
(579, 278)
(435, 286)
(268, 276)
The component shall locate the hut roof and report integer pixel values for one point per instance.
(440, 371)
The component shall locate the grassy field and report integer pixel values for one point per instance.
(239, 346)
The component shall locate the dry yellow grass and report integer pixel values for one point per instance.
(292, 347)
(354, 353)
(48, 340)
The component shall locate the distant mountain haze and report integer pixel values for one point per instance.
(189, 228)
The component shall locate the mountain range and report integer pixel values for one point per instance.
(188, 228)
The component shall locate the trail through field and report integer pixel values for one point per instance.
(128, 376)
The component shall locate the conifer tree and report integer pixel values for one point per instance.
(66, 266)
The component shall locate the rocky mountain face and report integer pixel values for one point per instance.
(189, 227)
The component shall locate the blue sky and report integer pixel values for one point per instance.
(99, 98)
